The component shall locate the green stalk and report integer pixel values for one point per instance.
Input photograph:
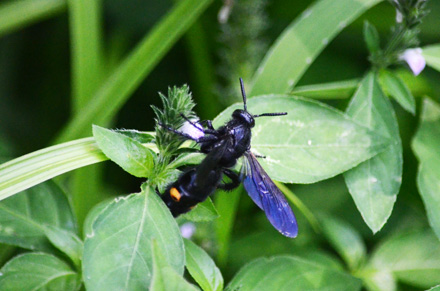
(300, 205)
(87, 61)
(117, 88)
(17, 14)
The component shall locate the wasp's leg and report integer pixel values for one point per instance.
(208, 124)
(235, 180)
(259, 156)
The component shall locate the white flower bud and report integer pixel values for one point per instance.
(193, 131)
(415, 60)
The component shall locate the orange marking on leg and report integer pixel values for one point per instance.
(175, 194)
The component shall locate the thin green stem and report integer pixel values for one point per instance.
(117, 88)
(300, 205)
(87, 61)
(15, 15)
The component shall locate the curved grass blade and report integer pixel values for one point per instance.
(15, 15)
(116, 89)
(34, 168)
(301, 43)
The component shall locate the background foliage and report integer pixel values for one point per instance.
(66, 65)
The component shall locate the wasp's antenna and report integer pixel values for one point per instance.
(270, 114)
(243, 93)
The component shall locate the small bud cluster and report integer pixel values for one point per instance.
(179, 102)
(403, 43)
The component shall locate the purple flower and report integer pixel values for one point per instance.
(187, 229)
(414, 59)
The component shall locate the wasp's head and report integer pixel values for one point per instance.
(244, 117)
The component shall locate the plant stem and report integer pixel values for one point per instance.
(300, 205)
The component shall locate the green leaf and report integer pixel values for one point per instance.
(302, 41)
(374, 184)
(426, 144)
(121, 83)
(332, 90)
(395, 87)
(24, 217)
(38, 271)
(15, 15)
(432, 56)
(164, 276)
(202, 268)
(128, 153)
(435, 288)
(67, 242)
(379, 280)
(427, 139)
(312, 143)
(117, 253)
(428, 183)
(139, 136)
(31, 169)
(290, 273)
(204, 211)
(413, 258)
(93, 214)
(371, 37)
(345, 239)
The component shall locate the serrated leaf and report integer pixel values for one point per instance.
(426, 144)
(38, 271)
(374, 184)
(312, 142)
(395, 87)
(202, 268)
(413, 258)
(140, 136)
(291, 273)
(23, 216)
(302, 41)
(331, 90)
(67, 242)
(164, 276)
(432, 56)
(117, 254)
(128, 153)
(345, 239)
(204, 211)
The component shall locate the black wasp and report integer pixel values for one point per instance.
(223, 147)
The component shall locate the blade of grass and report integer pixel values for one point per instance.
(86, 50)
(31, 169)
(300, 205)
(39, 166)
(226, 205)
(117, 88)
(87, 61)
(301, 42)
(17, 14)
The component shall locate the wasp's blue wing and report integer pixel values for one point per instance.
(267, 196)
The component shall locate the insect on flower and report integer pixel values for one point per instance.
(223, 147)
